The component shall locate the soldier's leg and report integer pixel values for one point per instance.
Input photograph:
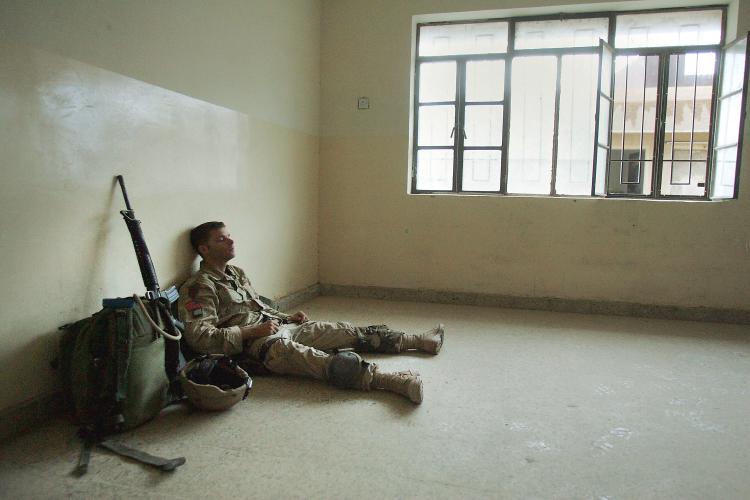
(349, 371)
(380, 338)
(345, 370)
(326, 335)
(286, 357)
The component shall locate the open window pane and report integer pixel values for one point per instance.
(435, 169)
(532, 123)
(485, 81)
(436, 125)
(729, 120)
(733, 71)
(481, 170)
(690, 86)
(725, 169)
(603, 132)
(728, 128)
(633, 124)
(483, 125)
(602, 116)
(437, 81)
(601, 168)
(557, 33)
(576, 124)
(470, 38)
(669, 28)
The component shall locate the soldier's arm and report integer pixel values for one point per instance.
(198, 307)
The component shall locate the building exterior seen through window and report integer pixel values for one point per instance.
(635, 104)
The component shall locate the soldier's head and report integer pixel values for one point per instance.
(212, 241)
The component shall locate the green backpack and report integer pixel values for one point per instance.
(113, 373)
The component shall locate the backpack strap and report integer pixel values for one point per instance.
(163, 464)
(83, 458)
(123, 325)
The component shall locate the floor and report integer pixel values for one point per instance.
(519, 404)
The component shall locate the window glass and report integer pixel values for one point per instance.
(601, 170)
(575, 137)
(565, 33)
(483, 125)
(669, 28)
(456, 39)
(734, 67)
(481, 170)
(435, 169)
(436, 125)
(531, 125)
(437, 81)
(485, 81)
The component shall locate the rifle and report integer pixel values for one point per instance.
(158, 299)
(148, 273)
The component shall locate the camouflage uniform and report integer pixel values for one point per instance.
(215, 305)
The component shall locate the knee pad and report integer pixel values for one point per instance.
(378, 338)
(346, 369)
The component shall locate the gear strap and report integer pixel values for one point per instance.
(84, 458)
(163, 464)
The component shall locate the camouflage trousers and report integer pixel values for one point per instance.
(305, 350)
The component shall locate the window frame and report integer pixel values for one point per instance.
(511, 52)
(460, 111)
(662, 89)
(718, 97)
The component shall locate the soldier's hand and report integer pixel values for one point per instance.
(268, 328)
(298, 317)
(263, 330)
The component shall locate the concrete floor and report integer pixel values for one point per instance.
(519, 404)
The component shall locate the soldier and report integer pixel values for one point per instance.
(223, 314)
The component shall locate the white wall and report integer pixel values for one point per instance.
(210, 111)
(372, 233)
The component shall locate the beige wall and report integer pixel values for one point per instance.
(372, 233)
(89, 90)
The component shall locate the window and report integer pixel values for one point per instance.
(460, 107)
(546, 106)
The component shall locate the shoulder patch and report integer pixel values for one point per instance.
(195, 308)
(193, 305)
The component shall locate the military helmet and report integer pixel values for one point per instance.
(214, 382)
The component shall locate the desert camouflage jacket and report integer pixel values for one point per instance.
(215, 305)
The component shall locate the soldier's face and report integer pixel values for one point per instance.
(220, 246)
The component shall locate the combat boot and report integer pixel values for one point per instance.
(406, 383)
(429, 342)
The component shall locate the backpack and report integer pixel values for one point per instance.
(114, 370)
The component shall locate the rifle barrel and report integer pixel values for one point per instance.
(124, 192)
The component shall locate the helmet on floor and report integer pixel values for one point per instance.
(214, 382)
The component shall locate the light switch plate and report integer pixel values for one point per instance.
(363, 103)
